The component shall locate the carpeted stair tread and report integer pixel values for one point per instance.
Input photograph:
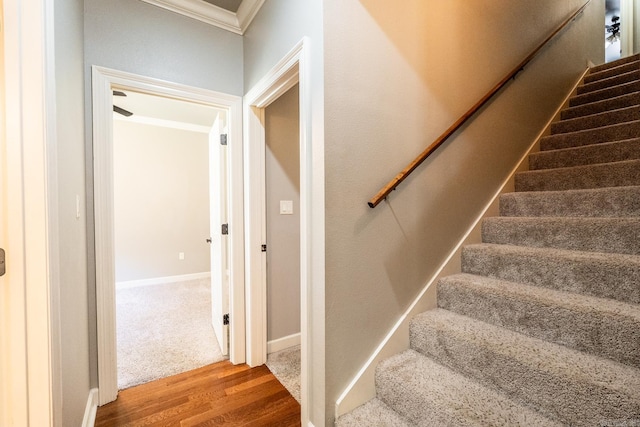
(598, 202)
(603, 275)
(563, 384)
(605, 152)
(429, 394)
(613, 174)
(616, 235)
(374, 413)
(618, 69)
(613, 65)
(615, 80)
(622, 101)
(616, 132)
(610, 92)
(597, 326)
(620, 115)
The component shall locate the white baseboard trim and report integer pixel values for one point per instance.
(283, 343)
(90, 410)
(362, 387)
(162, 280)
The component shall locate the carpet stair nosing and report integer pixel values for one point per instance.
(429, 394)
(599, 175)
(597, 274)
(601, 106)
(622, 68)
(570, 386)
(615, 235)
(621, 115)
(606, 152)
(606, 93)
(607, 82)
(615, 64)
(610, 133)
(601, 327)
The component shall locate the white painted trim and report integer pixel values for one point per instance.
(29, 289)
(128, 284)
(91, 409)
(170, 124)
(213, 15)
(627, 17)
(293, 68)
(283, 343)
(104, 80)
(362, 387)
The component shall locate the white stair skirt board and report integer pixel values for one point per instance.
(91, 409)
(283, 343)
(162, 280)
(362, 388)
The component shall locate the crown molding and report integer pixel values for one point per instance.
(214, 15)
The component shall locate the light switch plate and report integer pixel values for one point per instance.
(286, 207)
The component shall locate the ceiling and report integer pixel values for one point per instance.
(230, 5)
(152, 109)
(230, 15)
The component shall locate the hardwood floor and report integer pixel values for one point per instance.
(218, 394)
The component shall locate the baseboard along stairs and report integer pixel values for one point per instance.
(542, 327)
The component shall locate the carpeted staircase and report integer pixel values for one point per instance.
(542, 327)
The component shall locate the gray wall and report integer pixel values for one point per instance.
(74, 333)
(161, 201)
(133, 36)
(283, 231)
(395, 79)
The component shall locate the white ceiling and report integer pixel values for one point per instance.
(151, 109)
(230, 15)
(230, 5)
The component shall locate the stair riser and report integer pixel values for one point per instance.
(613, 133)
(622, 69)
(598, 275)
(615, 235)
(601, 333)
(615, 64)
(559, 394)
(609, 82)
(587, 155)
(623, 101)
(619, 174)
(602, 94)
(419, 389)
(603, 119)
(609, 202)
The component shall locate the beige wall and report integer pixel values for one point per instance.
(396, 76)
(74, 320)
(161, 201)
(283, 231)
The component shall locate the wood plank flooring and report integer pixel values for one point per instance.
(215, 395)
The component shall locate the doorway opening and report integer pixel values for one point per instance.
(230, 265)
(613, 31)
(162, 226)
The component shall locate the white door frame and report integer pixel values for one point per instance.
(293, 68)
(30, 376)
(103, 79)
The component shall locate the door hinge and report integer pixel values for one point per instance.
(2, 265)
(225, 229)
(223, 139)
(264, 248)
(225, 319)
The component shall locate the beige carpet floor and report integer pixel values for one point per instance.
(285, 366)
(164, 330)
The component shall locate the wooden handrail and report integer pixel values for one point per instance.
(382, 194)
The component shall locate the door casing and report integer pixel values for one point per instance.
(103, 80)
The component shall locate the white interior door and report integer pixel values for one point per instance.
(218, 194)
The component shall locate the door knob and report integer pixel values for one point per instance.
(209, 240)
